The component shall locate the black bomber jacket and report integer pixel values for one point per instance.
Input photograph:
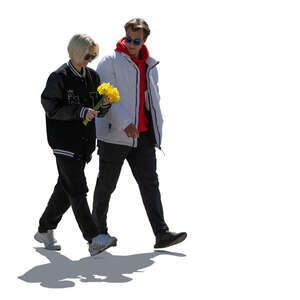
(66, 98)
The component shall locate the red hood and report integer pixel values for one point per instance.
(121, 47)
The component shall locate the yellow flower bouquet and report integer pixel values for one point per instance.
(105, 90)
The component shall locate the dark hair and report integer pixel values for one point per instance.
(137, 24)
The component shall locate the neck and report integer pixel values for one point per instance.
(137, 55)
(76, 66)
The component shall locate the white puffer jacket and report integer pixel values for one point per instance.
(123, 73)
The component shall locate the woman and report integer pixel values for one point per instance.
(68, 98)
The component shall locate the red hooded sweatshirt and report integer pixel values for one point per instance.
(143, 124)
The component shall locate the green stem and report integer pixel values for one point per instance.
(96, 108)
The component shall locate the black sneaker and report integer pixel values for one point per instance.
(167, 238)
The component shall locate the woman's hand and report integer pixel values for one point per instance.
(91, 114)
(105, 101)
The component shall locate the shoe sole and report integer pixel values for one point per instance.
(40, 240)
(113, 244)
(177, 241)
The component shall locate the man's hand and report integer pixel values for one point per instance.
(91, 114)
(131, 131)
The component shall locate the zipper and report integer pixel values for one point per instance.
(151, 105)
(136, 104)
(136, 97)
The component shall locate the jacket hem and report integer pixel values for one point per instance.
(129, 144)
(63, 152)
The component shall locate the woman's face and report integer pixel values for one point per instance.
(92, 53)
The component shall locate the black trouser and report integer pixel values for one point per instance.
(142, 161)
(70, 190)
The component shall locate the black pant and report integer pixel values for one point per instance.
(142, 161)
(70, 190)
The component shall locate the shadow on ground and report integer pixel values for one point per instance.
(104, 267)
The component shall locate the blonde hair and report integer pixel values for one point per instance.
(79, 46)
(137, 24)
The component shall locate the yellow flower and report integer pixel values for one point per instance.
(115, 95)
(109, 91)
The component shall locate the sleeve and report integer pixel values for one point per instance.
(155, 77)
(119, 116)
(54, 104)
(104, 110)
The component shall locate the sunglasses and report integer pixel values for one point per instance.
(136, 42)
(88, 56)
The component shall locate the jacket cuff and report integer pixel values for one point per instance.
(83, 112)
(103, 110)
(106, 106)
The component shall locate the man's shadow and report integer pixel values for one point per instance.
(103, 267)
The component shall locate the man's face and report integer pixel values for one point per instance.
(135, 37)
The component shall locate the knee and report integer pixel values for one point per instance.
(103, 185)
(79, 191)
(149, 180)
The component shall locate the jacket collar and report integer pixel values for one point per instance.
(74, 71)
(150, 60)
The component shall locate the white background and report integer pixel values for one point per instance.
(229, 83)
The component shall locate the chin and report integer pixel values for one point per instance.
(132, 52)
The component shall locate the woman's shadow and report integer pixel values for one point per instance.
(104, 267)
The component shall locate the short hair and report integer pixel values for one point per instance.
(79, 46)
(137, 24)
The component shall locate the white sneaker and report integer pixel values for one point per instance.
(47, 239)
(101, 242)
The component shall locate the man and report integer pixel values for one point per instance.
(131, 130)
